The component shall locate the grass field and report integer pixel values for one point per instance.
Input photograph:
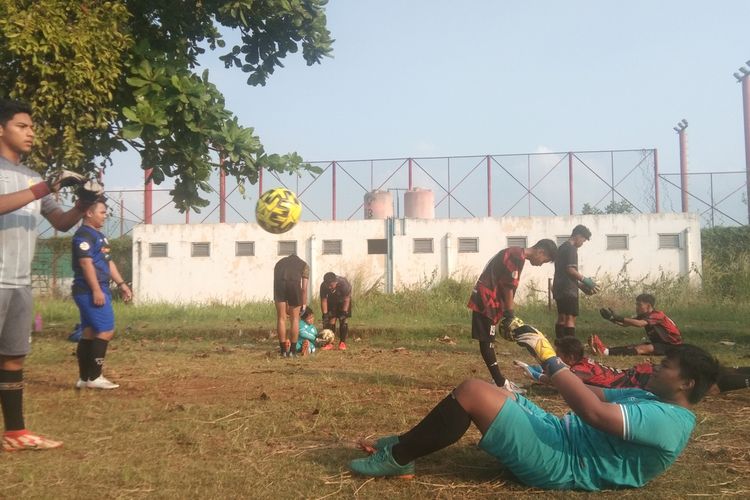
(207, 409)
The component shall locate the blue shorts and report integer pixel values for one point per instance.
(532, 444)
(98, 318)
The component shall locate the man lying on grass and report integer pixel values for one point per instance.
(570, 350)
(612, 438)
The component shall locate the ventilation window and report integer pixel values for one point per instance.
(157, 250)
(516, 241)
(287, 247)
(468, 245)
(617, 242)
(244, 248)
(376, 247)
(669, 241)
(202, 249)
(331, 247)
(423, 245)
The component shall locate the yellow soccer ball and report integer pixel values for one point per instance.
(278, 210)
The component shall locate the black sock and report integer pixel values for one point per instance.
(569, 331)
(83, 353)
(11, 398)
(559, 330)
(96, 360)
(343, 330)
(490, 359)
(443, 426)
(731, 379)
(626, 350)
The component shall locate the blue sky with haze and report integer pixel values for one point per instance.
(444, 78)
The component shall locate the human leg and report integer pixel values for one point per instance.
(731, 379)
(281, 313)
(16, 312)
(443, 426)
(483, 330)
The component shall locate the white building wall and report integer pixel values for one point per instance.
(224, 277)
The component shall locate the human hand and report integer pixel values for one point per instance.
(532, 339)
(64, 178)
(87, 194)
(534, 372)
(608, 314)
(589, 286)
(99, 299)
(126, 292)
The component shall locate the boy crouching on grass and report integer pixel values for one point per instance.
(308, 334)
(93, 269)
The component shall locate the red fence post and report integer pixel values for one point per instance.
(656, 180)
(489, 186)
(222, 192)
(570, 182)
(148, 197)
(333, 190)
(411, 185)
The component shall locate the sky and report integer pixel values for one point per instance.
(445, 78)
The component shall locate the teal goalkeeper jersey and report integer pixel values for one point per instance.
(654, 435)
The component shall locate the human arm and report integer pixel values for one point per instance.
(304, 284)
(610, 315)
(89, 275)
(127, 293)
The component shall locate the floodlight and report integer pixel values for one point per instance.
(744, 70)
(738, 76)
(684, 122)
(676, 129)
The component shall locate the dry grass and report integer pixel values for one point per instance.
(228, 419)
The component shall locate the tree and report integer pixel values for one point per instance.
(614, 207)
(103, 76)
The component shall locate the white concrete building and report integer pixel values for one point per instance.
(233, 263)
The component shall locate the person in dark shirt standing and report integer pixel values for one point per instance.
(568, 280)
(290, 278)
(336, 304)
(93, 269)
(492, 299)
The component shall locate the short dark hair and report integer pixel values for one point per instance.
(569, 346)
(696, 365)
(646, 298)
(329, 277)
(307, 311)
(10, 108)
(547, 246)
(581, 230)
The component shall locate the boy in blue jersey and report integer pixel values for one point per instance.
(308, 334)
(93, 269)
(612, 438)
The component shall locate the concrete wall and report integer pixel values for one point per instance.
(226, 278)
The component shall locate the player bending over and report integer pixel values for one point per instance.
(592, 372)
(662, 332)
(492, 299)
(611, 438)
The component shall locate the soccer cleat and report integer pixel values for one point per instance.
(25, 440)
(342, 346)
(370, 447)
(327, 347)
(382, 464)
(81, 384)
(305, 348)
(101, 383)
(512, 387)
(596, 345)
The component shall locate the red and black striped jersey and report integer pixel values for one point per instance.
(502, 272)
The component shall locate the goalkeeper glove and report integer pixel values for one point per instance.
(590, 286)
(57, 181)
(532, 371)
(88, 194)
(610, 315)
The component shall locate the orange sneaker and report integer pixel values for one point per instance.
(25, 440)
(327, 347)
(342, 346)
(596, 345)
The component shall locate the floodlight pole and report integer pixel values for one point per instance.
(746, 116)
(680, 129)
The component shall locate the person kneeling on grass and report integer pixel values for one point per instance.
(611, 438)
(93, 269)
(570, 350)
(662, 332)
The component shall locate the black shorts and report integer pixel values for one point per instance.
(567, 304)
(287, 291)
(482, 328)
(661, 348)
(336, 309)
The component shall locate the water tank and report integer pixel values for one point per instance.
(378, 205)
(419, 204)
